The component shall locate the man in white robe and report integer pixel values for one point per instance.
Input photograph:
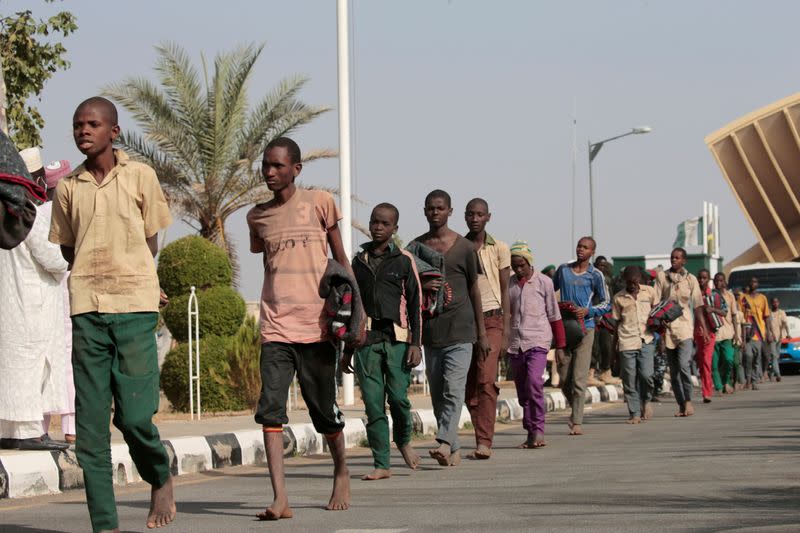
(32, 339)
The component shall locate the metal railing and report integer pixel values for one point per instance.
(194, 353)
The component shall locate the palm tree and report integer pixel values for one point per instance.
(202, 139)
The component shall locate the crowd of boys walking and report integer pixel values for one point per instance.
(466, 303)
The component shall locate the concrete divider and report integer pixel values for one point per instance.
(36, 473)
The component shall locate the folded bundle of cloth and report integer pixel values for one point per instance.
(19, 195)
(574, 327)
(346, 320)
(430, 265)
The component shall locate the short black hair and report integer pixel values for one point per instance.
(438, 193)
(105, 104)
(600, 258)
(291, 147)
(707, 271)
(681, 250)
(390, 207)
(480, 201)
(589, 238)
(631, 273)
(719, 274)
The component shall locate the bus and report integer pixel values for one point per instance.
(781, 281)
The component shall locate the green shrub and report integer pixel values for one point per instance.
(242, 370)
(215, 396)
(191, 261)
(222, 311)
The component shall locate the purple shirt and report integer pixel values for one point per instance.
(533, 307)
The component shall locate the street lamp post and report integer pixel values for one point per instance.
(594, 149)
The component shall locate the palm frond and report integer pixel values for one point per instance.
(319, 153)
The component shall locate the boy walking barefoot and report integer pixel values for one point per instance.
(635, 343)
(389, 285)
(535, 325)
(495, 262)
(106, 217)
(679, 285)
(294, 231)
(449, 336)
(581, 284)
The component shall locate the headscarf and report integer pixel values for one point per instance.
(523, 250)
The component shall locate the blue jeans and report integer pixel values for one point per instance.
(680, 373)
(636, 371)
(774, 356)
(447, 375)
(751, 360)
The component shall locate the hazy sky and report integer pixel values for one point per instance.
(477, 98)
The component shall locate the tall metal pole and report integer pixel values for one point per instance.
(574, 169)
(343, 49)
(591, 190)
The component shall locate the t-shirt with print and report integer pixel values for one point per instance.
(456, 323)
(294, 240)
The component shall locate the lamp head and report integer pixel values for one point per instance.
(642, 129)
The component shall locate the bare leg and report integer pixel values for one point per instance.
(378, 473)
(410, 456)
(647, 412)
(273, 444)
(441, 453)
(689, 409)
(340, 497)
(162, 505)
(575, 429)
(455, 458)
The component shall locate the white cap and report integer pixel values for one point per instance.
(32, 158)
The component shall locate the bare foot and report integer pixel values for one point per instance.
(575, 429)
(634, 420)
(647, 412)
(378, 473)
(279, 509)
(162, 505)
(115, 530)
(483, 452)
(410, 456)
(340, 497)
(727, 389)
(455, 458)
(688, 409)
(528, 444)
(441, 454)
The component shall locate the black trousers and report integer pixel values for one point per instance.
(315, 365)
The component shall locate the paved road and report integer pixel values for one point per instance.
(735, 465)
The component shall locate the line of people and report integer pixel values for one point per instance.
(466, 301)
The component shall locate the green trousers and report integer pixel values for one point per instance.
(383, 376)
(722, 364)
(114, 357)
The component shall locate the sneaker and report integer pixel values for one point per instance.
(608, 379)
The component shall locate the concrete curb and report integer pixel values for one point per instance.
(36, 473)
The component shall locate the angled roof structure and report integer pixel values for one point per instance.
(759, 155)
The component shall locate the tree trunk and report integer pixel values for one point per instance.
(216, 233)
(3, 101)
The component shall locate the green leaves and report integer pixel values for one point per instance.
(198, 131)
(29, 59)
